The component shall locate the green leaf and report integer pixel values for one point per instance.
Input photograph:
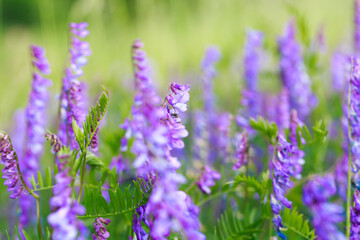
(120, 202)
(40, 179)
(230, 227)
(48, 177)
(7, 234)
(260, 187)
(27, 237)
(294, 221)
(78, 133)
(17, 232)
(101, 204)
(93, 160)
(33, 182)
(94, 118)
(269, 130)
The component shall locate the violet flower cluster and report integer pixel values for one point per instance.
(211, 57)
(100, 230)
(282, 110)
(157, 129)
(288, 164)
(207, 178)
(326, 215)
(251, 62)
(357, 27)
(293, 73)
(338, 72)
(354, 217)
(354, 112)
(35, 115)
(64, 209)
(10, 171)
(72, 93)
(63, 218)
(241, 150)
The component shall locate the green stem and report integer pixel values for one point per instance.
(348, 195)
(32, 194)
(82, 177)
(270, 164)
(200, 203)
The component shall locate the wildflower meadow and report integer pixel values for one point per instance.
(216, 139)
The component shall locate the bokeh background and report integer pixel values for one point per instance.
(175, 34)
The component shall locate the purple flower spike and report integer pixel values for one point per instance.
(293, 73)
(180, 97)
(241, 150)
(282, 117)
(40, 61)
(64, 210)
(251, 60)
(288, 164)
(207, 179)
(35, 117)
(338, 72)
(316, 195)
(251, 64)
(100, 230)
(10, 172)
(357, 27)
(72, 98)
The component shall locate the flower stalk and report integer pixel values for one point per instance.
(348, 194)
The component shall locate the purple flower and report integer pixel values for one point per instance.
(355, 216)
(357, 27)
(138, 218)
(40, 61)
(200, 136)
(251, 62)
(156, 130)
(288, 164)
(241, 150)
(35, 117)
(338, 72)
(341, 171)
(293, 73)
(180, 97)
(223, 129)
(72, 104)
(251, 59)
(100, 230)
(282, 109)
(63, 218)
(207, 179)
(10, 171)
(294, 123)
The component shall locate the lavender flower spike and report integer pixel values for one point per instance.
(293, 73)
(288, 164)
(241, 150)
(100, 229)
(35, 117)
(207, 179)
(72, 103)
(326, 215)
(251, 63)
(354, 113)
(10, 172)
(357, 27)
(64, 209)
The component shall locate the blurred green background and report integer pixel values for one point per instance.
(175, 34)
